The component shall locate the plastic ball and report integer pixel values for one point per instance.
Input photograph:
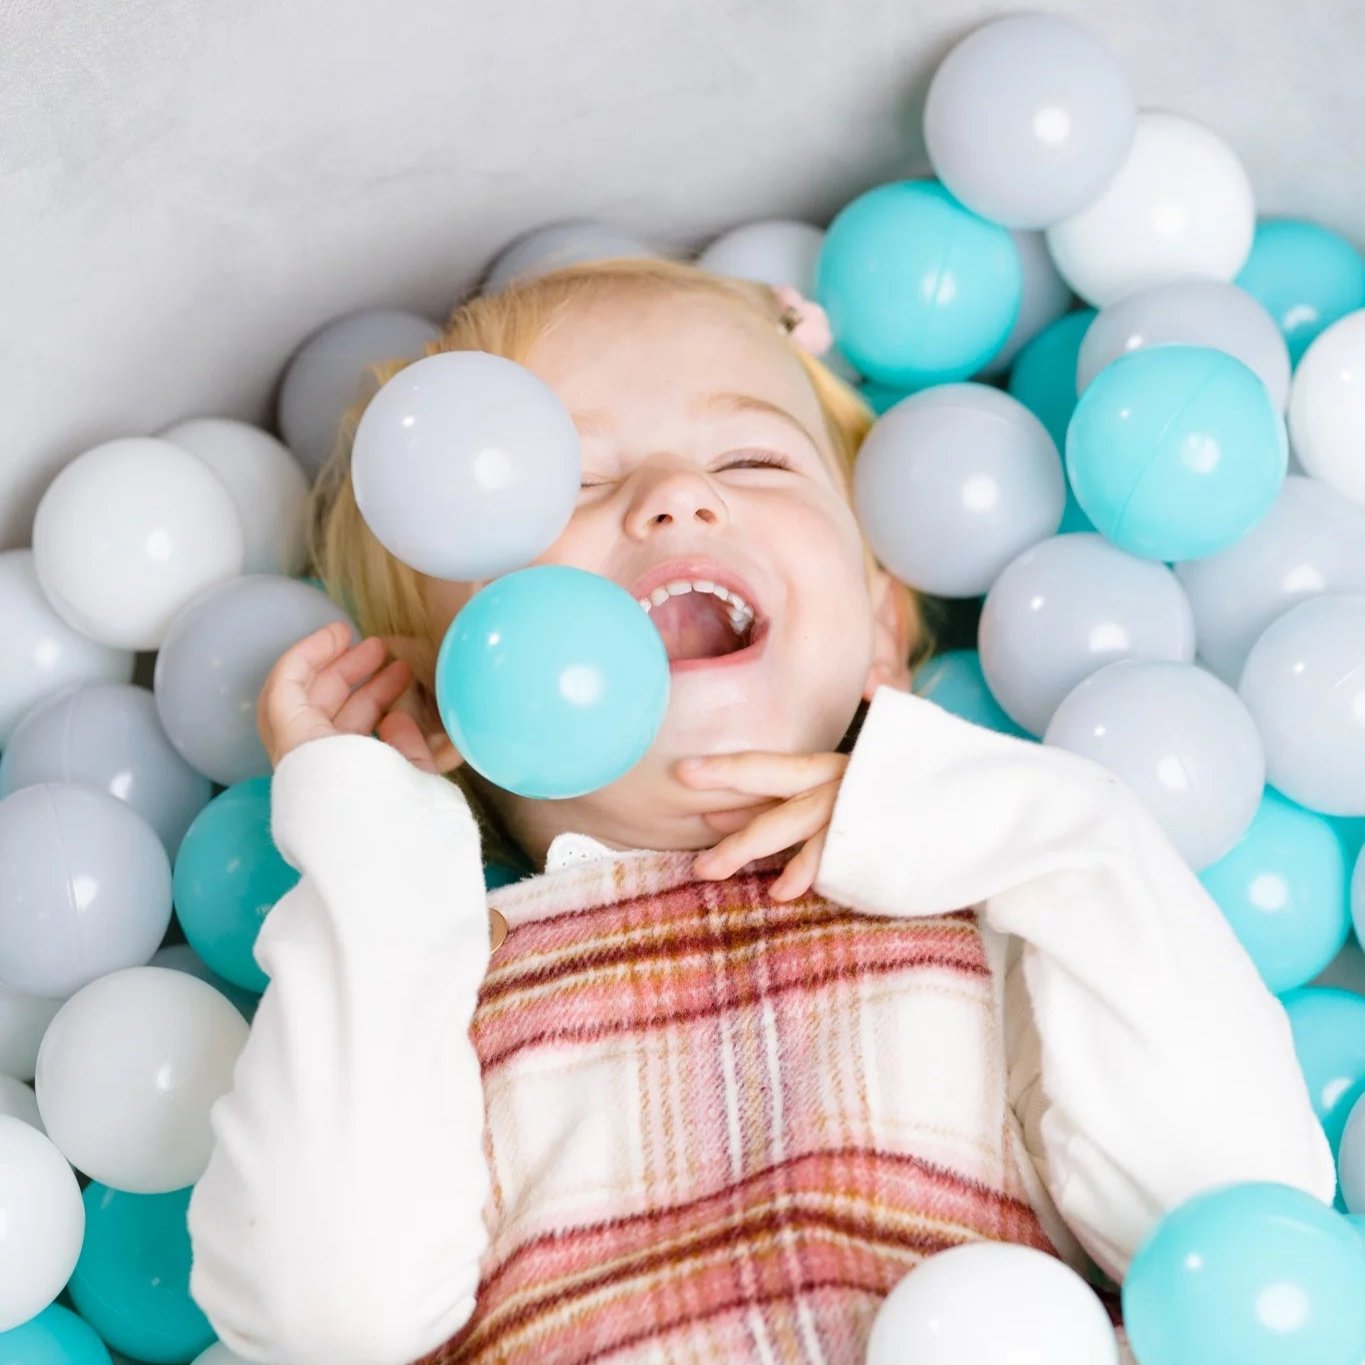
(1027, 119)
(466, 465)
(132, 1282)
(556, 245)
(1283, 891)
(1304, 682)
(23, 1021)
(1041, 1310)
(331, 370)
(953, 483)
(19, 1101)
(1175, 452)
(1043, 379)
(43, 654)
(86, 891)
(1067, 607)
(1311, 541)
(267, 484)
(1190, 313)
(775, 251)
(1305, 275)
(180, 957)
(56, 1336)
(881, 398)
(1351, 1159)
(1358, 896)
(128, 1071)
(1180, 738)
(1181, 204)
(215, 659)
(108, 735)
(227, 879)
(919, 290)
(1257, 1273)
(1044, 296)
(552, 682)
(130, 532)
(1327, 407)
(954, 681)
(44, 1222)
(1328, 1027)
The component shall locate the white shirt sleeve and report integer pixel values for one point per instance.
(341, 1219)
(1166, 1065)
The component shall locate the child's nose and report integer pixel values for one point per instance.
(679, 494)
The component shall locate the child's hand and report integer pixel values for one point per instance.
(320, 687)
(796, 792)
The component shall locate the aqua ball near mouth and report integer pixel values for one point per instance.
(552, 682)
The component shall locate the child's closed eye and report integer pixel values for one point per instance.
(752, 460)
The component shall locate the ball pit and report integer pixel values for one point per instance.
(1090, 364)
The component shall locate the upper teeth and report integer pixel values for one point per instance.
(741, 614)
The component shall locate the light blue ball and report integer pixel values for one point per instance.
(552, 682)
(919, 290)
(1255, 1273)
(1305, 276)
(228, 875)
(1175, 452)
(1043, 379)
(1328, 1025)
(56, 1336)
(954, 681)
(1283, 890)
(132, 1279)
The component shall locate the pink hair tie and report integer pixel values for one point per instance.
(804, 320)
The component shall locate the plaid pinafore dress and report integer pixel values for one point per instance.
(720, 1128)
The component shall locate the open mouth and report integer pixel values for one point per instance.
(702, 621)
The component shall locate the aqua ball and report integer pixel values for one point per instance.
(132, 1281)
(56, 1336)
(954, 681)
(1328, 1027)
(1176, 452)
(919, 289)
(1258, 1273)
(552, 682)
(1282, 888)
(1305, 276)
(228, 875)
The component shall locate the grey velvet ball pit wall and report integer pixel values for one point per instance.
(188, 188)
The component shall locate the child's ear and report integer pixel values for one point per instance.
(419, 701)
(892, 627)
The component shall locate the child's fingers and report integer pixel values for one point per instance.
(367, 704)
(799, 874)
(727, 821)
(790, 823)
(759, 773)
(332, 685)
(404, 734)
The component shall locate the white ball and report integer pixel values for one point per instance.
(1327, 407)
(128, 1071)
(23, 1021)
(18, 1100)
(128, 533)
(1180, 205)
(268, 487)
(1040, 1310)
(43, 654)
(42, 1222)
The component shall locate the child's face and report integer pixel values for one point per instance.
(663, 481)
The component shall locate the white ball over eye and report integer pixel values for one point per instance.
(466, 466)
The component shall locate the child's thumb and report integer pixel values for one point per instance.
(444, 754)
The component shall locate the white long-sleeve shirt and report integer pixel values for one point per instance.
(342, 1215)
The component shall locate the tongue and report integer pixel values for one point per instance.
(694, 626)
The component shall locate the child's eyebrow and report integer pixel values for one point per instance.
(589, 423)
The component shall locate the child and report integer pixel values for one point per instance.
(923, 985)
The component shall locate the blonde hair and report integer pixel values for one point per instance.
(384, 596)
